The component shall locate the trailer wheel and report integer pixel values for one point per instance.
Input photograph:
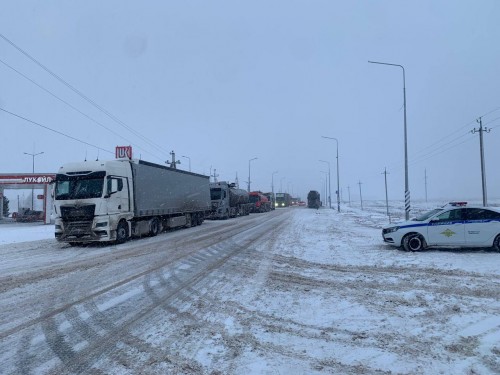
(154, 227)
(122, 232)
(189, 221)
(194, 220)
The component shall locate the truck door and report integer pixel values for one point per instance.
(118, 194)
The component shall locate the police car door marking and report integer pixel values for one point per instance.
(448, 233)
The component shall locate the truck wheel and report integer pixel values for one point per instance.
(122, 232)
(413, 242)
(195, 220)
(154, 227)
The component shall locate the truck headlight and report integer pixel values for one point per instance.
(101, 224)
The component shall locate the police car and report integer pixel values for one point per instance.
(454, 224)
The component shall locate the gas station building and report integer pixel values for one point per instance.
(29, 181)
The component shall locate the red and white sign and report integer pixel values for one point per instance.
(122, 152)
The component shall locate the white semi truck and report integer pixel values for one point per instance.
(98, 201)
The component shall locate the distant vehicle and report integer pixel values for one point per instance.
(228, 201)
(313, 199)
(27, 215)
(302, 203)
(259, 201)
(283, 200)
(96, 201)
(455, 224)
(272, 198)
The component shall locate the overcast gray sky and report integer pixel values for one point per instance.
(223, 82)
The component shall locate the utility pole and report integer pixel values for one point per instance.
(386, 195)
(173, 163)
(425, 178)
(329, 183)
(349, 194)
(249, 173)
(272, 183)
(360, 196)
(215, 175)
(481, 130)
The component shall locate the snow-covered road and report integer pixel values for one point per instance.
(294, 291)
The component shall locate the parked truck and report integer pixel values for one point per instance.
(313, 199)
(259, 201)
(114, 200)
(228, 201)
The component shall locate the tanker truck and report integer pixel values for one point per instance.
(228, 201)
(99, 201)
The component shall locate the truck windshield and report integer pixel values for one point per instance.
(254, 198)
(215, 194)
(79, 187)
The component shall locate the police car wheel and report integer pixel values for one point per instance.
(413, 242)
(496, 243)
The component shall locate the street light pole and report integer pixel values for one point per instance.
(338, 179)
(189, 160)
(329, 183)
(272, 182)
(326, 183)
(33, 172)
(249, 173)
(407, 189)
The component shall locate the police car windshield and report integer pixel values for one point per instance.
(428, 214)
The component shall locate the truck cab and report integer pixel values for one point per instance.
(90, 199)
(220, 202)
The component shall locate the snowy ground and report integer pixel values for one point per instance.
(296, 291)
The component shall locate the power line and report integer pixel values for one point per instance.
(73, 107)
(78, 92)
(454, 132)
(53, 130)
